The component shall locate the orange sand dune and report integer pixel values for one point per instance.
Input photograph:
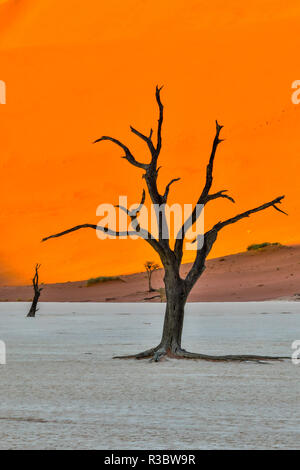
(271, 273)
(77, 70)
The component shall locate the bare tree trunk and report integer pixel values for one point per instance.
(34, 304)
(37, 292)
(174, 315)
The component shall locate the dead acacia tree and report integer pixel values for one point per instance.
(177, 288)
(150, 267)
(37, 292)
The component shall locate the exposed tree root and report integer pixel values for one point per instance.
(158, 353)
(182, 354)
(143, 355)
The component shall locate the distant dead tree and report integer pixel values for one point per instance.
(177, 287)
(150, 267)
(37, 292)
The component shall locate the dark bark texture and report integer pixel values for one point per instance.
(37, 292)
(177, 289)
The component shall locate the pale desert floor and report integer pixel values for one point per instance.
(61, 389)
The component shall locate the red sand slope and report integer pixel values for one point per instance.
(271, 273)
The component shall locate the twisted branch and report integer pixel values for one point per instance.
(203, 198)
(166, 193)
(128, 155)
(160, 120)
(211, 236)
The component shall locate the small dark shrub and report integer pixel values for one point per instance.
(100, 279)
(258, 246)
